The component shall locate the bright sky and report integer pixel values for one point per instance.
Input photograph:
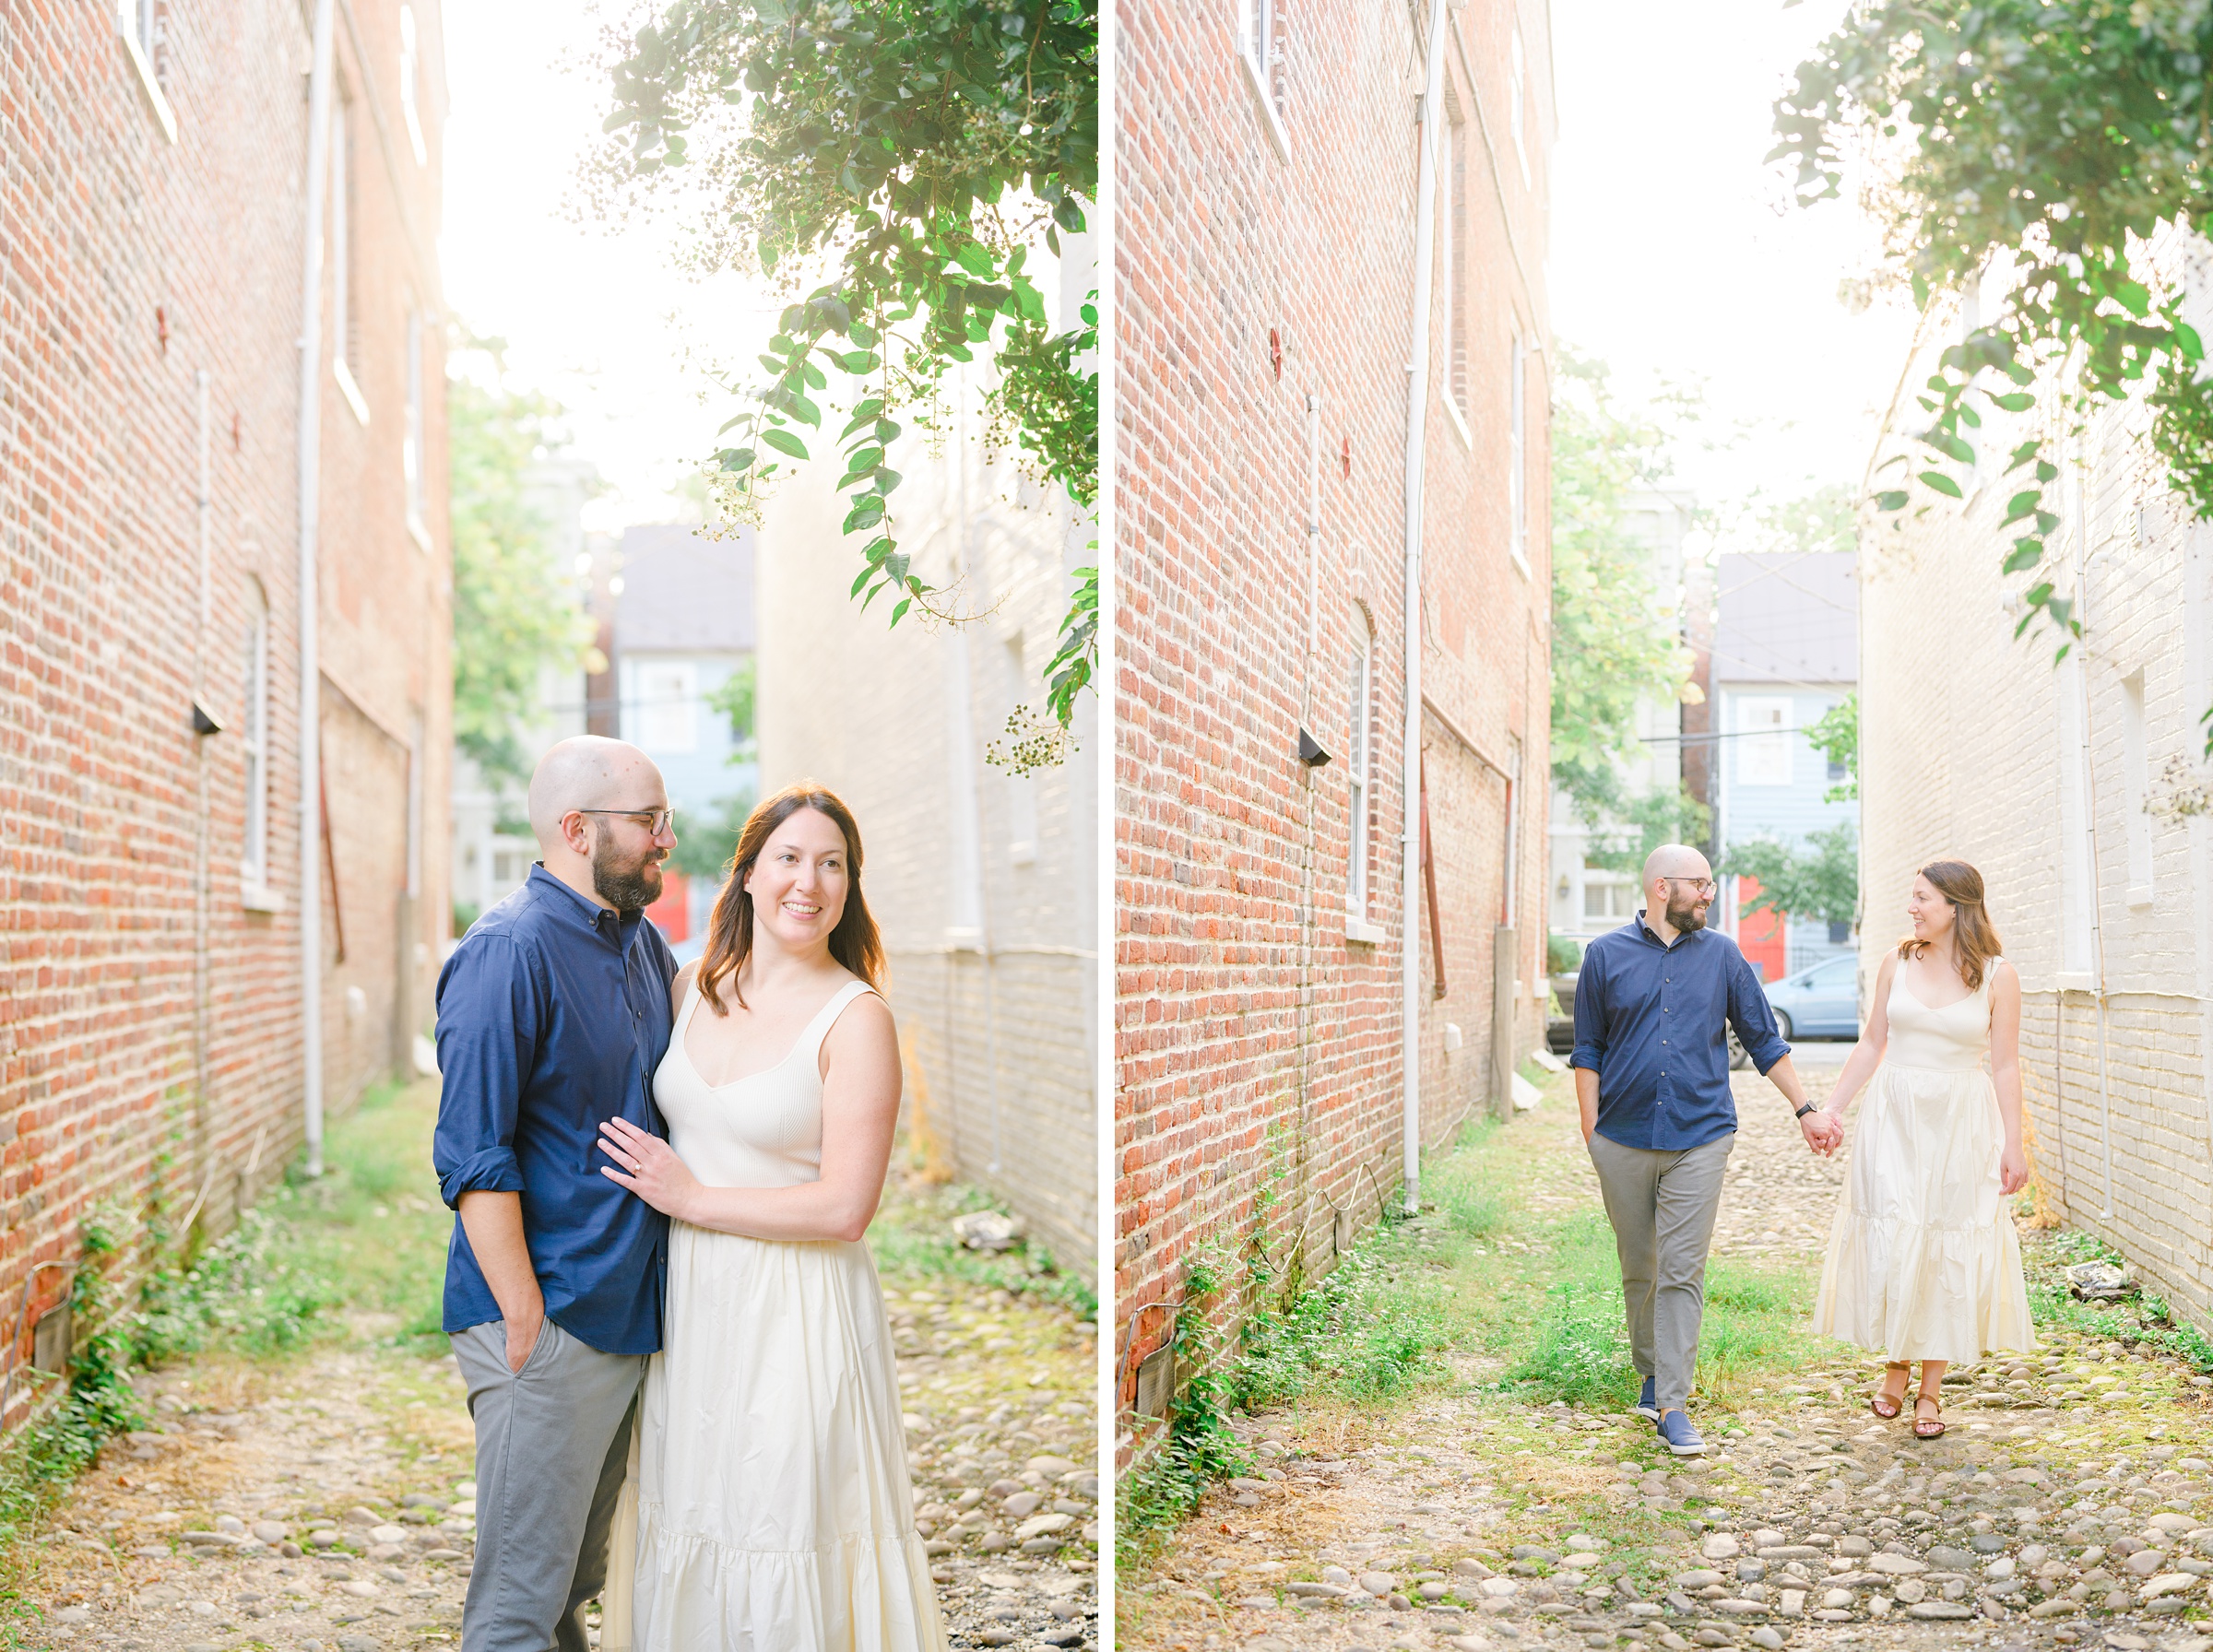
(1674, 252)
(1671, 255)
(599, 320)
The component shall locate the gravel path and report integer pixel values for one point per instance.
(325, 1508)
(2070, 1506)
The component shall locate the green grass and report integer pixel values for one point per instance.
(1533, 1294)
(360, 1252)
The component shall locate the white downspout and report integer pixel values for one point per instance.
(1410, 755)
(311, 665)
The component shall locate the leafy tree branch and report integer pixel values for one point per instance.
(1612, 647)
(1836, 736)
(513, 614)
(1821, 882)
(2061, 142)
(898, 162)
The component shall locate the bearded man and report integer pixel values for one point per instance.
(552, 1015)
(1653, 1003)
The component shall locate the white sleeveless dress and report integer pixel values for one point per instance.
(1924, 1262)
(771, 1508)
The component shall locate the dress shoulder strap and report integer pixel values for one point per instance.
(684, 1010)
(826, 1018)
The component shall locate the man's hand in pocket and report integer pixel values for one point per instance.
(523, 1332)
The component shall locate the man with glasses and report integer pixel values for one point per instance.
(552, 1015)
(1653, 1004)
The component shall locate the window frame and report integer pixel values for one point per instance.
(253, 730)
(339, 242)
(1777, 746)
(1610, 886)
(2135, 776)
(1517, 95)
(1360, 800)
(410, 93)
(139, 24)
(1452, 215)
(412, 454)
(651, 706)
(1517, 482)
(1257, 55)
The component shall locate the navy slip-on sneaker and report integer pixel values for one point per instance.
(1648, 1401)
(1678, 1437)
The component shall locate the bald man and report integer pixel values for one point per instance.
(552, 1014)
(1653, 1004)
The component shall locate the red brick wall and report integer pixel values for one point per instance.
(134, 266)
(1258, 1050)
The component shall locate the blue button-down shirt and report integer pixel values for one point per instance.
(553, 1016)
(1650, 1021)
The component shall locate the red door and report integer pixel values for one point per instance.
(1761, 935)
(673, 912)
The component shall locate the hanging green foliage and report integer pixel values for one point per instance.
(916, 153)
(2064, 138)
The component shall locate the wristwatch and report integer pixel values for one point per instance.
(1802, 1112)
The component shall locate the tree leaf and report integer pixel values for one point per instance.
(1942, 483)
(783, 441)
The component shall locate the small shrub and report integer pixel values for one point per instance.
(251, 1289)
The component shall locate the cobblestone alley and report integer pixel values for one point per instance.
(324, 1505)
(2070, 1504)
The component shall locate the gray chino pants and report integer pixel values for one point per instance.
(1661, 1206)
(552, 1444)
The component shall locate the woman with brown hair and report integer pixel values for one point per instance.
(1923, 1263)
(772, 1505)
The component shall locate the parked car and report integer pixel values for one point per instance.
(1559, 1016)
(1822, 1001)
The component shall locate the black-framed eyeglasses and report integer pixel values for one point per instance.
(1705, 886)
(657, 820)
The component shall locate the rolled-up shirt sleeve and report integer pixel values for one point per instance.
(1589, 1014)
(489, 1024)
(1754, 1017)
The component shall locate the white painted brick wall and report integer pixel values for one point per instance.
(1966, 751)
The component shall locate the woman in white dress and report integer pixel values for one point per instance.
(774, 1511)
(1923, 1263)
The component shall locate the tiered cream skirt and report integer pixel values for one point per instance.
(771, 1509)
(1923, 1263)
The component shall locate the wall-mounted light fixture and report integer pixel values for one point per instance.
(1309, 750)
(204, 721)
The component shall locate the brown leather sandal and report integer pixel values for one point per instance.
(1897, 1401)
(1928, 1428)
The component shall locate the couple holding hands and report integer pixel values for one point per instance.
(1923, 1264)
